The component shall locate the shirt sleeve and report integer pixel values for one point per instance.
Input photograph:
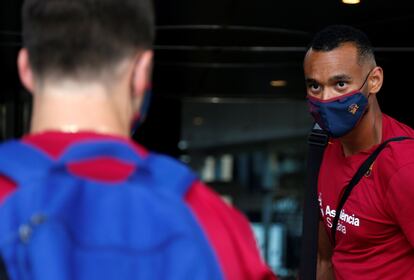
(400, 198)
(230, 234)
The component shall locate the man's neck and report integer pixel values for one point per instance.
(367, 134)
(70, 108)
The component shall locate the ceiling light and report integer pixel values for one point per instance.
(215, 100)
(350, 1)
(278, 83)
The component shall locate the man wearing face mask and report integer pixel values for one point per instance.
(374, 236)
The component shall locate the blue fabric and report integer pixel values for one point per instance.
(59, 226)
(18, 159)
(340, 116)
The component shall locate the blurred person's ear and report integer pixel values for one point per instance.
(25, 70)
(142, 74)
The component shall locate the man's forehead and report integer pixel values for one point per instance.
(330, 65)
(344, 54)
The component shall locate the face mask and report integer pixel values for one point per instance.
(339, 115)
(141, 115)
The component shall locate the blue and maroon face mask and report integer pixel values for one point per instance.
(339, 115)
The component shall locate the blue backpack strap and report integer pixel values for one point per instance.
(22, 162)
(100, 148)
(171, 174)
(167, 173)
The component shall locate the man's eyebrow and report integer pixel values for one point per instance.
(311, 81)
(340, 77)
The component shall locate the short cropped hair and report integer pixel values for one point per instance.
(77, 37)
(333, 36)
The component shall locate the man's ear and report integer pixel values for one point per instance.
(142, 74)
(25, 70)
(375, 80)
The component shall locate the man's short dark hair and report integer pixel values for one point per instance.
(77, 37)
(333, 36)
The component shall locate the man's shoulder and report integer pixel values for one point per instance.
(396, 153)
(201, 191)
(208, 203)
(394, 128)
(399, 153)
(396, 158)
(230, 233)
(398, 150)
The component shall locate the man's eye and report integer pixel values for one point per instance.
(341, 84)
(313, 87)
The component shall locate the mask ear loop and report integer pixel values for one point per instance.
(366, 79)
(369, 94)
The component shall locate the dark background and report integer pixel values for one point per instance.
(233, 49)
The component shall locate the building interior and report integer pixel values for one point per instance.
(229, 97)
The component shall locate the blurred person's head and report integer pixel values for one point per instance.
(74, 48)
